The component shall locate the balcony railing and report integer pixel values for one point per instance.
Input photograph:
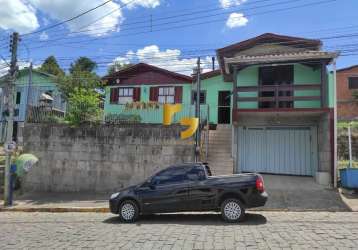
(279, 96)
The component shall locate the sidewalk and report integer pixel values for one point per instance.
(350, 199)
(59, 202)
(88, 202)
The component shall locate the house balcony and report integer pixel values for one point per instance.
(279, 98)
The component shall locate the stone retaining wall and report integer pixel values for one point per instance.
(100, 158)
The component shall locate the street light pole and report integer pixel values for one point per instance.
(10, 122)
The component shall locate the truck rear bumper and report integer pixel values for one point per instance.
(257, 200)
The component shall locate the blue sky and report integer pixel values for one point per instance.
(169, 33)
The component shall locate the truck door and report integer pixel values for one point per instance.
(168, 192)
(201, 194)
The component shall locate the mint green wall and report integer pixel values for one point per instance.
(212, 86)
(306, 75)
(38, 79)
(302, 75)
(155, 115)
(248, 77)
(331, 91)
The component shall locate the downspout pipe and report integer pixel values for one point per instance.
(334, 123)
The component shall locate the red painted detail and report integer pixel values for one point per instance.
(153, 94)
(265, 110)
(114, 95)
(145, 74)
(178, 94)
(331, 130)
(136, 94)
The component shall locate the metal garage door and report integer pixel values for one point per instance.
(276, 150)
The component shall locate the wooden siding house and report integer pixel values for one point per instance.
(282, 106)
(28, 95)
(144, 83)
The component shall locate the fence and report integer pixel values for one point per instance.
(123, 114)
(343, 145)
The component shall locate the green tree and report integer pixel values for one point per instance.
(116, 66)
(355, 95)
(78, 80)
(83, 107)
(83, 64)
(51, 66)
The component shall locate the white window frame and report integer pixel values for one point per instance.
(166, 94)
(125, 95)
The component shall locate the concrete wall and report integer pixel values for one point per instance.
(102, 158)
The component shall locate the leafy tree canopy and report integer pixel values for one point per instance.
(116, 66)
(83, 80)
(83, 64)
(51, 66)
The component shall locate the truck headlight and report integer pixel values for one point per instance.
(115, 195)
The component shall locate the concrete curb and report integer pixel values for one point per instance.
(106, 210)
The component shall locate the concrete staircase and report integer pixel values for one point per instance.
(219, 150)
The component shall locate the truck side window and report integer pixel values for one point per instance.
(196, 174)
(170, 176)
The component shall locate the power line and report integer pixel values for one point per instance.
(191, 24)
(69, 19)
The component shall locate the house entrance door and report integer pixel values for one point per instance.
(224, 107)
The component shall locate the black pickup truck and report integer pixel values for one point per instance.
(190, 187)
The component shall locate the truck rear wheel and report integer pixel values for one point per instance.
(232, 210)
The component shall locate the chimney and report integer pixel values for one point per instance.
(213, 60)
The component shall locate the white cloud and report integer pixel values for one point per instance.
(4, 67)
(17, 15)
(230, 3)
(169, 59)
(43, 36)
(236, 20)
(142, 3)
(99, 24)
(20, 15)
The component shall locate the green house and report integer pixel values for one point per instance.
(282, 106)
(273, 101)
(31, 90)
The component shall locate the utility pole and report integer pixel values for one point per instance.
(28, 96)
(197, 111)
(10, 99)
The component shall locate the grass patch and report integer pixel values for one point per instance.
(345, 163)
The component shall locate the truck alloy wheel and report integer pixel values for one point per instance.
(232, 210)
(128, 211)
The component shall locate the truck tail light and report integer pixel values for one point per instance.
(260, 184)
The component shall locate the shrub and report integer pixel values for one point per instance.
(83, 107)
(122, 118)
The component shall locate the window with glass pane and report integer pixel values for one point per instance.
(202, 97)
(166, 95)
(353, 82)
(125, 95)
